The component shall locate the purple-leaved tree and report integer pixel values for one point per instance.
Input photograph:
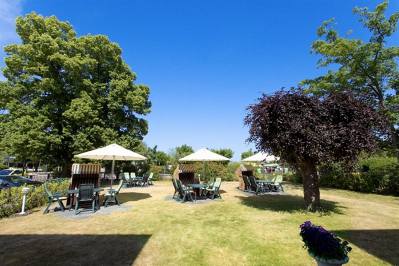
(306, 130)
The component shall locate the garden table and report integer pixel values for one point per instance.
(198, 188)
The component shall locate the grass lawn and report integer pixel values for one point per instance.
(240, 229)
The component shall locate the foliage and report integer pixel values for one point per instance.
(181, 151)
(157, 157)
(366, 68)
(232, 167)
(305, 131)
(322, 244)
(66, 94)
(214, 170)
(228, 153)
(374, 174)
(11, 199)
(246, 154)
(156, 170)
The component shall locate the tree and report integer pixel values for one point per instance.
(228, 153)
(366, 68)
(182, 151)
(70, 93)
(157, 157)
(305, 131)
(247, 154)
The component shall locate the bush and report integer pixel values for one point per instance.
(375, 174)
(215, 170)
(156, 170)
(11, 199)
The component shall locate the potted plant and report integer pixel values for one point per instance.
(325, 247)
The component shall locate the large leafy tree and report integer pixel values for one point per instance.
(306, 131)
(367, 68)
(65, 94)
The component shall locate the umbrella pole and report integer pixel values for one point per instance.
(112, 171)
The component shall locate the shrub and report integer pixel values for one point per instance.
(374, 174)
(11, 199)
(214, 170)
(156, 170)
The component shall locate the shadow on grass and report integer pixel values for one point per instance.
(383, 244)
(286, 203)
(132, 196)
(71, 249)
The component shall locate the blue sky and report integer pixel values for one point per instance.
(205, 61)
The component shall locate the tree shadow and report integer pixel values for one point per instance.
(287, 203)
(71, 249)
(132, 196)
(383, 244)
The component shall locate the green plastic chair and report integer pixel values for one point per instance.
(53, 197)
(215, 189)
(126, 176)
(149, 181)
(277, 184)
(85, 195)
(186, 193)
(111, 196)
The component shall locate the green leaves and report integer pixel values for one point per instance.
(366, 68)
(71, 93)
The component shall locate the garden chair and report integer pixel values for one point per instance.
(175, 187)
(111, 196)
(246, 183)
(255, 187)
(214, 191)
(277, 185)
(144, 182)
(127, 178)
(53, 197)
(85, 196)
(150, 179)
(185, 192)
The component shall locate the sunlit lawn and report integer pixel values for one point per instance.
(238, 230)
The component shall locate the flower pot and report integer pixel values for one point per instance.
(323, 262)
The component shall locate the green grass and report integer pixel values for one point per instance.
(237, 230)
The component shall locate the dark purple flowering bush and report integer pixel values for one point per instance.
(322, 244)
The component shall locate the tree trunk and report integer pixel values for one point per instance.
(310, 185)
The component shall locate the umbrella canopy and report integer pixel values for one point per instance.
(112, 152)
(204, 155)
(261, 157)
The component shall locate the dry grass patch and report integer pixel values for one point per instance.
(240, 229)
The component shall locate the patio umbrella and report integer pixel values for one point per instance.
(261, 157)
(204, 155)
(113, 153)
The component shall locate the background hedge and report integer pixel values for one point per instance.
(11, 199)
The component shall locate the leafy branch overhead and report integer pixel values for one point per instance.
(366, 68)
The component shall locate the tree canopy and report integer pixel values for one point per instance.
(228, 153)
(247, 154)
(66, 94)
(367, 68)
(305, 130)
(182, 151)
